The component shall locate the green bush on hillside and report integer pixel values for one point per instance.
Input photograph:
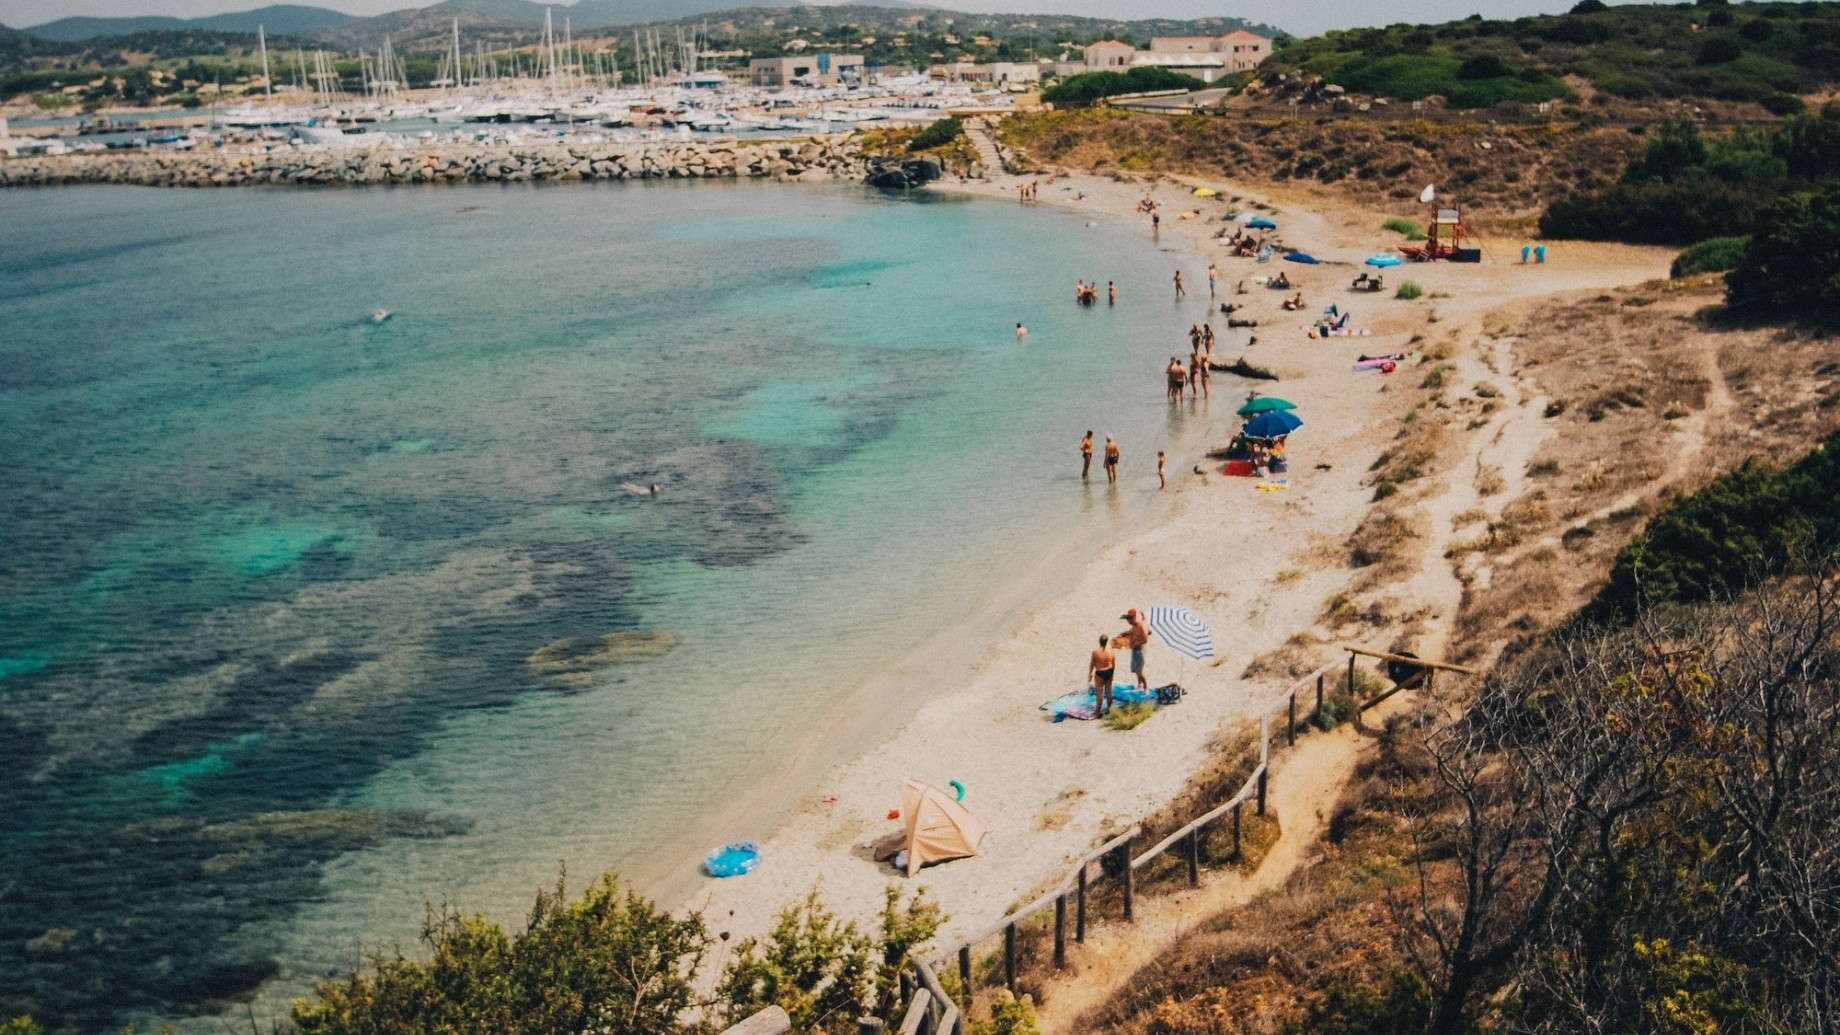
(1792, 264)
(939, 134)
(607, 962)
(1743, 526)
(1091, 87)
(1713, 255)
(824, 972)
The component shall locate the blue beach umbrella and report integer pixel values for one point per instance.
(1261, 223)
(1307, 260)
(1182, 630)
(1272, 424)
(1382, 260)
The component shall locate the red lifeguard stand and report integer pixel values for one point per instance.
(1445, 238)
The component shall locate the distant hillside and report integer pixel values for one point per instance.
(277, 20)
(1760, 52)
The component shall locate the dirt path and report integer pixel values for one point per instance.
(1305, 782)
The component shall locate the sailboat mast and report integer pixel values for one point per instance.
(262, 44)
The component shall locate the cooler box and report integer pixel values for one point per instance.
(1467, 255)
(1238, 469)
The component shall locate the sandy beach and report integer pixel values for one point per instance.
(1257, 565)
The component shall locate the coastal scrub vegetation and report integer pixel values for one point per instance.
(1092, 87)
(1627, 826)
(613, 962)
(942, 133)
(1780, 191)
(1764, 53)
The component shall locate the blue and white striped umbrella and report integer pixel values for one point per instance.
(1183, 630)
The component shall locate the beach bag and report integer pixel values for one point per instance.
(1169, 694)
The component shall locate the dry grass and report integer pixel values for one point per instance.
(1296, 657)
(1382, 542)
(1253, 970)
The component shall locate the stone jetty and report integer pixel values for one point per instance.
(805, 159)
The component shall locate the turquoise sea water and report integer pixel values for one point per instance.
(273, 573)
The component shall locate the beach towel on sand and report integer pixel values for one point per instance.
(1083, 704)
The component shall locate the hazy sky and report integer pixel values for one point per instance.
(1304, 17)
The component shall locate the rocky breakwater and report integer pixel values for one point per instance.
(805, 160)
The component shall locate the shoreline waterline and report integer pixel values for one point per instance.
(890, 366)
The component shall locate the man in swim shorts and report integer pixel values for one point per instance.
(1111, 460)
(1099, 669)
(1135, 637)
(1085, 455)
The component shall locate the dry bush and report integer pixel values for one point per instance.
(1410, 458)
(1294, 658)
(1382, 542)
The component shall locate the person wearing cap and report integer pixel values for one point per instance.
(1134, 637)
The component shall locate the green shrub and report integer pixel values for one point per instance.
(1090, 87)
(1745, 525)
(1792, 263)
(1713, 255)
(1655, 212)
(1129, 716)
(1008, 1016)
(939, 134)
(1411, 228)
(1401, 1008)
(826, 973)
(606, 962)
(21, 1026)
(1409, 290)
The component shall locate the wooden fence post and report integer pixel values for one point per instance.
(1238, 807)
(1351, 676)
(1263, 774)
(1009, 957)
(1319, 696)
(1290, 728)
(1060, 931)
(964, 973)
(1130, 883)
(1079, 918)
(868, 1026)
(1194, 858)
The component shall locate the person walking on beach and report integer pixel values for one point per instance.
(1180, 290)
(1100, 668)
(1135, 637)
(1085, 455)
(1111, 460)
(1161, 482)
(1213, 277)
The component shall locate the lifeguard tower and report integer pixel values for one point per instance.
(1446, 238)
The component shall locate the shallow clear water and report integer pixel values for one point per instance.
(274, 573)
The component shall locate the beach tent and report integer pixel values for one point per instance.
(1261, 223)
(1306, 259)
(938, 827)
(1384, 260)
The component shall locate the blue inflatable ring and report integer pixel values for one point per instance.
(959, 787)
(732, 860)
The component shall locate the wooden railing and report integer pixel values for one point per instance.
(930, 1011)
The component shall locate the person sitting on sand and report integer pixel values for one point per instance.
(1100, 667)
(1281, 282)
